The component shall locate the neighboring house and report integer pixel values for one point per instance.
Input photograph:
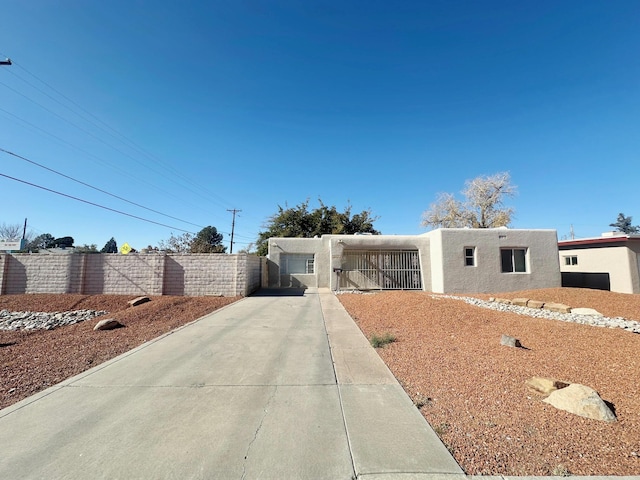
(449, 260)
(610, 262)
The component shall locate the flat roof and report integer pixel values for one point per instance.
(599, 241)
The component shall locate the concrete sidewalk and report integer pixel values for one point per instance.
(280, 385)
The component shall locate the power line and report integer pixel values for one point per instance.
(94, 204)
(96, 188)
(117, 135)
(111, 132)
(103, 162)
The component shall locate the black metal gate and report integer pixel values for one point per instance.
(381, 270)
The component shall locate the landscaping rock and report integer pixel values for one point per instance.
(510, 341)
(545, 385)
(535, 304)
(506, 301)
(138, 301)
(557, 307)
(586, 311)
(44, 321)
(503, 305)
(107, 324)
(581, 400)
(520, 302)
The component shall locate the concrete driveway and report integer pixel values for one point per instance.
(280, 385)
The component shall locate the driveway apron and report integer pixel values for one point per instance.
(249, 391)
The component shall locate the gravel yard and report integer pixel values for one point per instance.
(447, 356)
(472, 390)
(32, 360)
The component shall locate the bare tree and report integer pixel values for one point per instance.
(483, 206)
(446, 212)
(11, 231)
(14, 232)
(177, 243)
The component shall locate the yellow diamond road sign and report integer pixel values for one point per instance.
(125, 248)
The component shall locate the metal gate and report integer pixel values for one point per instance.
(381, 270)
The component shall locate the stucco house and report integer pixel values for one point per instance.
(447, 260)
(609, 262)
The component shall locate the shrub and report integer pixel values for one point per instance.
(378, 342)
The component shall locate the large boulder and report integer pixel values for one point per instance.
(510, 341)
(138, 301)
(107, 324)
(545, 385)
(581, 400)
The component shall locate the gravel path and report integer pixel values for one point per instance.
(472, 390)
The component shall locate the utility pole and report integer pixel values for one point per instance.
(6, 62)
(233, 224)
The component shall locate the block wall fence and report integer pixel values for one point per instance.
(134, 274)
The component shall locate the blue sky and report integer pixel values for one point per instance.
(195, 108)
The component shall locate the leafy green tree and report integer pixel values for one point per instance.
(63, 242)
(110, 247)
(299, 222)
(208, 240)
(41, 242)
(483, 206)
(623, 224)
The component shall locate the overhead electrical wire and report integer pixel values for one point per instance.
(94, 204)
(103, 162)
(96, 188)
(112, 132)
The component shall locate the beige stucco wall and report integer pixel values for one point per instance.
(441, 258)
(339, 243)
(313, 246)
(621, 262)
(451, 275)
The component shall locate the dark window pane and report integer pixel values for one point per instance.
(507, 262)
(519, 260)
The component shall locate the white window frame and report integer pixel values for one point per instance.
(570, 260)
(515, 263)
(301, 263)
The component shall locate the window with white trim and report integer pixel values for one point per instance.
(469, 256)
(513, 260)
(297, 263)
(571, 260)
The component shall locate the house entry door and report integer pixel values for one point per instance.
(381, 270)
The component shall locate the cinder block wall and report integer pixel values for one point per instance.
(134, 274)
(26, 274)
(201, 274)
(115, 274)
